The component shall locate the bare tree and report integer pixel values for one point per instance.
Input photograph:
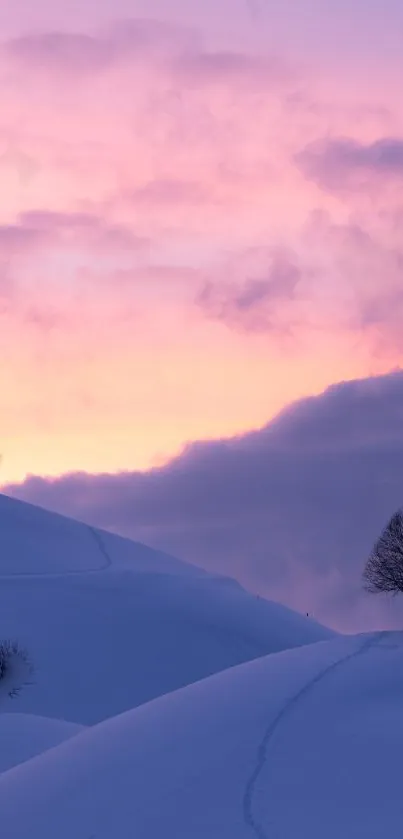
(384, 568)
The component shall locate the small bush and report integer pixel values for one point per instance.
(15, 668)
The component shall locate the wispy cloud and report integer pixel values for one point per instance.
(252, 302)
(87, 228)
(78, 53)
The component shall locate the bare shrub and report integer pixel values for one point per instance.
(16, 669)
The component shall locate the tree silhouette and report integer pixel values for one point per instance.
(384, 569)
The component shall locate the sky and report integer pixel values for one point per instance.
(200, 220)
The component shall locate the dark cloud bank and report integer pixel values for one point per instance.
(291, 510)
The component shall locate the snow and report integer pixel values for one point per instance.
(23, 736)
(306, 743)
(166, 702)
(109, 624)
(36, 542)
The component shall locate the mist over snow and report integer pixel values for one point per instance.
(290, 510)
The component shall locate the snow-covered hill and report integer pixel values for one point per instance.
(227, 732)
(23, 736)
(110, 624)
(306, 743)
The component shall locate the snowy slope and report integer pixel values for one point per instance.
(36, 542)
(307, 743)
(110, 624)
(23, 736)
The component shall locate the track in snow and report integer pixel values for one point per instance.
(262, 754)
(107, 563)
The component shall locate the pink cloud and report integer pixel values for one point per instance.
(15, 238)
(254, 300)
(343, 162)
(234, 69)
(80, 53)
(170, 192)
(42, 229)
(92, 230)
